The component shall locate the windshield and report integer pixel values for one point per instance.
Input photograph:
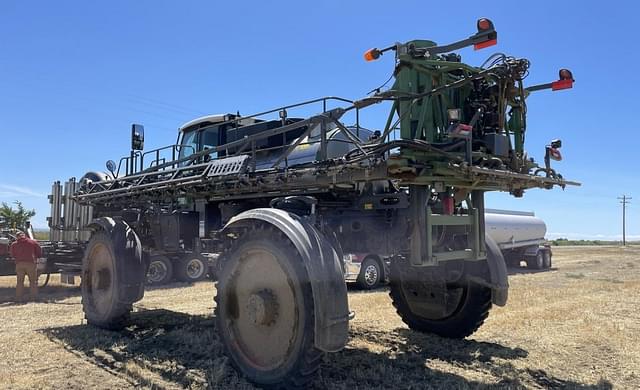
(189, 144)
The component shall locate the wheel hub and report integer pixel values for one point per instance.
(371, 274)
(262, 308)
(157, 271)
(194, 268)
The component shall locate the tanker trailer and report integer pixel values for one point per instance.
(520, 236)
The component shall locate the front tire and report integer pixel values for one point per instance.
(101, 301)
(446, 310)
(265, 311)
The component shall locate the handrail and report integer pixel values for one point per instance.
(324, 101)
(332, 115)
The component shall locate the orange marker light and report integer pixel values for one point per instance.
(372, 54)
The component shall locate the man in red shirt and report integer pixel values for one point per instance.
(26, 252)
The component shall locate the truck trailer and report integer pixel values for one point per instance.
(519, 235)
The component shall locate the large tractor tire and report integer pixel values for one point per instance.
(160, 270)
(446, 310)
(370, 274)
(112, 277)
(191, 268)
(265, 310)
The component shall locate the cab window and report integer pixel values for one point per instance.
(189, 144)
(210, 140)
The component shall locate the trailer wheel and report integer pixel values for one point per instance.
(43, 278)
(265, 311)
(537, 261)
(547, 259)
(370, 274)
(100, 300)
(455, 312)
(160, 270)
(191, 268)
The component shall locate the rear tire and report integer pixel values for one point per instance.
(537, 261)
(160, 270)
(101, 301)
(370, 274)
(191, 268)
(547, 259)
(265, 311)
(424, 310)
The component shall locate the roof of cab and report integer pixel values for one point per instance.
(215, 118)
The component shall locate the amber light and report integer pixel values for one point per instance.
(372, 54)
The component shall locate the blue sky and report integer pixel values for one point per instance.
(74, 75)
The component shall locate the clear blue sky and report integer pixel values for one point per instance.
(75, 74)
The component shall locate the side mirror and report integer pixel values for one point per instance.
(137, 137)
(111, 167)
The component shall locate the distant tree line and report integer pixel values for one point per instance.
(567, 242)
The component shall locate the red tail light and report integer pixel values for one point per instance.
(484, 44)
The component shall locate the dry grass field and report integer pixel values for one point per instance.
(576, 326)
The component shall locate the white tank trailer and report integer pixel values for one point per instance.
(518, 234)
(520, 237)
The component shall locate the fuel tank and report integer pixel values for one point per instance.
(513, 229)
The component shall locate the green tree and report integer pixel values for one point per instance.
(15, 217)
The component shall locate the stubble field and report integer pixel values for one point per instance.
(576, 326)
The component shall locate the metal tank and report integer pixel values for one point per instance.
(514, 229)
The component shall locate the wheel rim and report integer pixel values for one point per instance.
(262, 316)
(539, 260)
(101, 277)
(195, 268)
(371, 275)
(157, 271)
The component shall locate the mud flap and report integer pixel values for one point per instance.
(497, 272)
(323, 268)
(130, 264)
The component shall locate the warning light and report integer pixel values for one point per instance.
(372, 54)
(565, 74)
(484, 24)
(565, 82)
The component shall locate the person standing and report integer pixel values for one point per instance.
(26, 252)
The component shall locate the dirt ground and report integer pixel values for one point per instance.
(576, 326)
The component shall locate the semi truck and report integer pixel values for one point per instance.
(280, 197)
